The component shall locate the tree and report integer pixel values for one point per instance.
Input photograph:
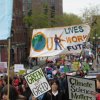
(36, 21)
(67, 20)
(91, 15)
(44, 21)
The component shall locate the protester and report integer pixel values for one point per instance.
(97, 93)
(26, 91)
(98, 83)
(13, 93)
(1, 86)
(54, 93)
(55, 72)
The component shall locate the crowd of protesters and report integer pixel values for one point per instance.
(56, 73)
(19, 90)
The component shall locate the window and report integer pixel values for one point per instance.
(52, 2)
(52, 11)
(45, 8)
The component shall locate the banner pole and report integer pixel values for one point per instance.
(9, 46)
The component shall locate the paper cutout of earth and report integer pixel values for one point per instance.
(38, 42)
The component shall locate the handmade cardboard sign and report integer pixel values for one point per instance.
(37, 82)
(81, 89)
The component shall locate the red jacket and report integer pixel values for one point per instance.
(16, 82)
(98, 96)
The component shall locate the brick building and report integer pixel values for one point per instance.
(21, 37)
(27, 7)
(18, 36)
(51, 8)
(41, 5)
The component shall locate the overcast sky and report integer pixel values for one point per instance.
(77, 6)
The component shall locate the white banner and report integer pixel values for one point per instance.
(81, 89)
(18, 67)
(60, 40)
(37, 82)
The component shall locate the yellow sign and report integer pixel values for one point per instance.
(21, 72)
(75, 65)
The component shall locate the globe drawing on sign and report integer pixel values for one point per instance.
(38, 42)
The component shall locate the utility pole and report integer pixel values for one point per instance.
(9, 46)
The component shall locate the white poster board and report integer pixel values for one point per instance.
(18, 67)
(80, 89)
(37, 82)
(3, 67)
(29, 70)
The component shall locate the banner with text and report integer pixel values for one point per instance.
(81, 89)
(61, 40)
(37, 82)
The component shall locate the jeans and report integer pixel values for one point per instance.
(57, 44)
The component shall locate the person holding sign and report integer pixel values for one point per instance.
(54, 93)
(97, 93)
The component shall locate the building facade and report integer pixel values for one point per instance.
(27, 7)
(41, 5)
(50, 7)
(18, 36)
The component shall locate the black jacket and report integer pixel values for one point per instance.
(50, 96)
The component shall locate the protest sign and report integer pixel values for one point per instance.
(29, 70)
(18, 67)
(59, 40)
(22, 72)
(80, 89)
(75, 65)
(3, 67)
(37, 82)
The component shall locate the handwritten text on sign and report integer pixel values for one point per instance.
(37, 82)
(80, 89)
(54, 41)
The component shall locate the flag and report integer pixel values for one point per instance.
(6, 12)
